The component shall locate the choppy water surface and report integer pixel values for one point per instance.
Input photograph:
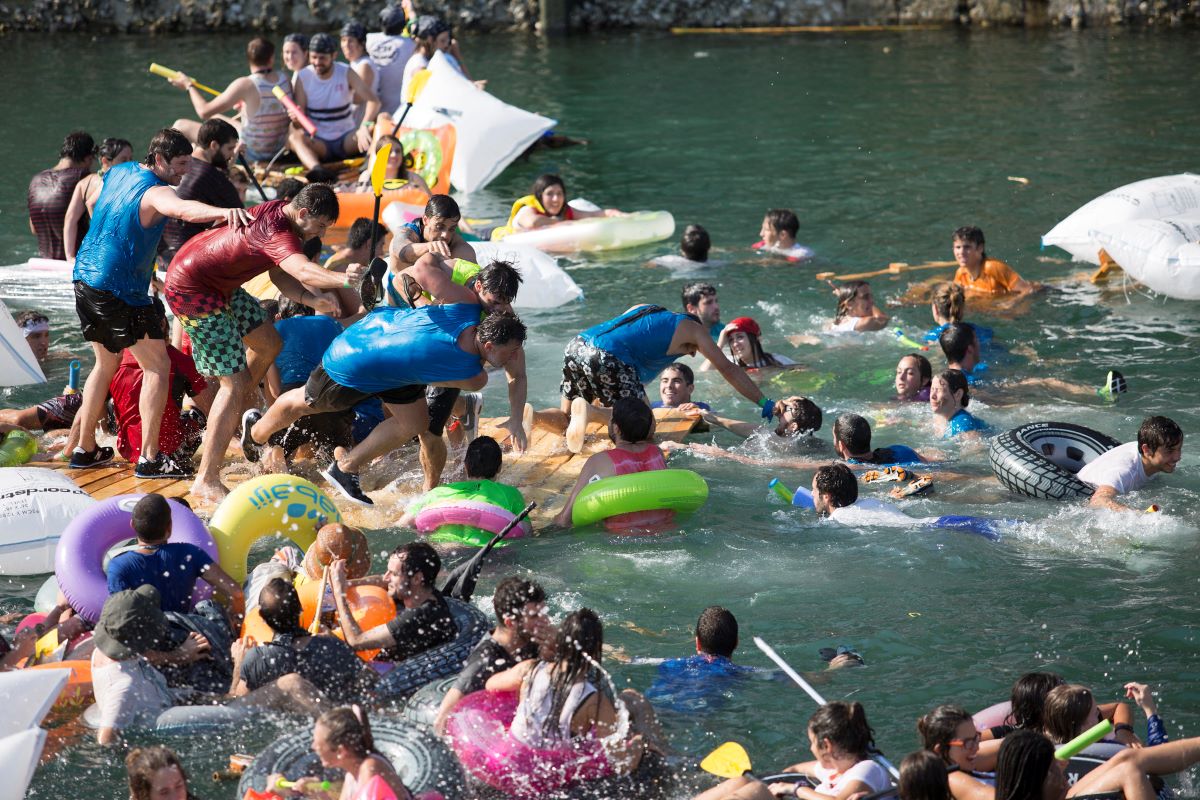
(883, 143)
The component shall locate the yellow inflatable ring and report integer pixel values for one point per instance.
(269, 505)
(679, 490)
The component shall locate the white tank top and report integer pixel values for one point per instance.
(329, 101)
(528, 723)
(267, 131)
(390, 54)
(359, 110)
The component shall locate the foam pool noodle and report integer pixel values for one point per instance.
(1085, 739)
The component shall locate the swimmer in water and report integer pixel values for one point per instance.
(949, 394)
(743, 337)
(777, 235)
(914, 374)
(856, 309)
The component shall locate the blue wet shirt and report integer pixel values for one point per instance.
(117, 255)
(890, 456)
(642, 343)
(172, 569)
(964, 422)
(697, 683)
(305, 340)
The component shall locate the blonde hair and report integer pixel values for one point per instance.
(949, 300)
(845, 295)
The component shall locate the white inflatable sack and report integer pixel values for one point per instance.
(19, 753)
(36, 504)
(544, 284)
(1164, 254)
(1153, 198)
(27, 696)
(490, 133)
(18, 365)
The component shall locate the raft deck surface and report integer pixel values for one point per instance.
(545, 473)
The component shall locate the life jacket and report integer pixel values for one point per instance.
(528, 201)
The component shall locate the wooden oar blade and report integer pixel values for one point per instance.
(379, 169)
(730, 760)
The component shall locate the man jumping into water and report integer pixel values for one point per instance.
(393, 354)
(224, 321)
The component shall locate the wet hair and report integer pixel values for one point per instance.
(1029, 699)
(845, 725)
(853, 432)
(1025, 759)
(500, 278)
(957, 381)
(513, 593)
(279, 606)
(633, 419)
(443, 206)
(809, 418)
(500, 328)
(361, 231)
(717, 631)
(923, 776)
(695, 243)
(320, 175)
(693, 292)
(216, 130)
(838, 483)
(950, 301)
(577, 649)
(111, 147)
(1158, 432)
(685, 372)
(319, 200)
(420, 558)
(783, 219)
(845, 294)
(151, 518)
(937, 729)
(956, 340)
(297, 38)
(271, 307)
(288, 188)
(483, 458)
(29, 316)
(78, 145)
(1066, 712)
(349, 727)
(969, 234)
(761, 357)
(143, 763)
(543, 183)
(259, 52)
(923, 367)
(168, 143)
(289, 308)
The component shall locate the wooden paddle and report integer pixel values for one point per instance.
(895, 268)
(371, 289)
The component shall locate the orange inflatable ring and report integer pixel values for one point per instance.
(370, 606)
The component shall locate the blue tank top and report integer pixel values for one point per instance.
(963, 422)
(642, 343)
(395, 347)
(892, 455)
(117, 255)
(305, 340)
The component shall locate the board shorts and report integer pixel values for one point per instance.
(109, 321)
(598, 375)
(323, 431)
(59, 412)
(323, 394)
(441, 403)
(216, 326)
(334, 148)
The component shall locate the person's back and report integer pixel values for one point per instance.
(305, 340)
(50, 192)
(170, 567)
(633, 452)
(265, 133)
(701, 682)
(175, 431)
(640, 338)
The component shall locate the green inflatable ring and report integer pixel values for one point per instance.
(18, 448)
(679, 490)
(424, 143)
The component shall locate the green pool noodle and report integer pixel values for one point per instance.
(324, 786)
(778, 488)
(1088, 737)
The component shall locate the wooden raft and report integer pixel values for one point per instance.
(545, 473)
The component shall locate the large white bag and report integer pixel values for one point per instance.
(1164, 254)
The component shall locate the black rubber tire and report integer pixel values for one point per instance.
(421, 759)
(1021, 466)
(440, 662)
(1095, 755)
(422, 707)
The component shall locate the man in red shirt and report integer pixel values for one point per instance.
(179, 435)
(232, 339)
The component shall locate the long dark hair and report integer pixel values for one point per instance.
(845, 725)
(938, 726)
(143, 762)
(576, 654)
(1029, 699)
(761, 357)
(543, 183)
(923, 777)
(1025, 758)
(845, 294)
(349, 727)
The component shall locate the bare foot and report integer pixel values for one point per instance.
(208, 490)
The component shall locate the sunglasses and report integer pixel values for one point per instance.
(972, 741)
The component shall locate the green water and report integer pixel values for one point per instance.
(883, 144)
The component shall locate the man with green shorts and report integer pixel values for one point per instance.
(232, 339)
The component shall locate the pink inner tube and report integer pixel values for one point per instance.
(484, 516)
(993, 716)
(79, 558)
(478, 729)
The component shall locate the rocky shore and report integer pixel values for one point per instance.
(175, 16)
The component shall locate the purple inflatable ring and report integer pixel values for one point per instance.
(79, 558)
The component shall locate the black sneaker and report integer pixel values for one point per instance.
(470, 419)
(97, 458)
(250, 448)
(346, 483)
(162, 466)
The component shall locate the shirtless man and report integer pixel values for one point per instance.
(328, 93)
(232, 339)
(263, 123)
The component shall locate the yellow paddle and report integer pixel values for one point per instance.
(371, 289)
(315, 628)
(169, 74)
(730, 760)
(895, 268)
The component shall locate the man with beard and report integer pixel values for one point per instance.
(207, 181)
(328, 92)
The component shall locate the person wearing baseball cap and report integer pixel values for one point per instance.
(390, 51)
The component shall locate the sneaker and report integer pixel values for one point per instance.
(577, 427)
(97, 458)
(346, 483)
(1114, 384)
(162, 466)
(250, 448)
(470, 417)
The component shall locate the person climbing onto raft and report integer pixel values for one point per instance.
(435, 232)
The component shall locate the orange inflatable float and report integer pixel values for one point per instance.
(370, 606)
(78, 691)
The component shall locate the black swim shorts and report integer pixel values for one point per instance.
(595, 374)
(322, 393)
(441, 403)
(323, 431)
(109, 321)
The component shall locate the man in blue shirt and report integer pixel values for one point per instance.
(852, 440)
(702, 681)
(170, 567)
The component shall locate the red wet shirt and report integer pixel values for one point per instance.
(126, 391)
(221, 260)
